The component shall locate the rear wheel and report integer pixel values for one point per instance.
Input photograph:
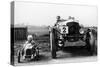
(19, 56)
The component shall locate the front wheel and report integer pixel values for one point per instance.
(53, 51)
(90, 44)
(53, 44)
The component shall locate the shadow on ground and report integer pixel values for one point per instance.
(77, 51)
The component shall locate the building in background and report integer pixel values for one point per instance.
(20, 32)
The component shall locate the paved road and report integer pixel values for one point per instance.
(69, 54)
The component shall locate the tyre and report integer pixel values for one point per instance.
(53, 44)
(90, 44)
(37, 55)
(19, 56)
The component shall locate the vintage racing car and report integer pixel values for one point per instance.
(69, 30)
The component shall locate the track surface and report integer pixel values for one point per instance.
(69, 54)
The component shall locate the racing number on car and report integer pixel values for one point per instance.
(64, 29)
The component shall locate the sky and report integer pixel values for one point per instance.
(39, 14)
